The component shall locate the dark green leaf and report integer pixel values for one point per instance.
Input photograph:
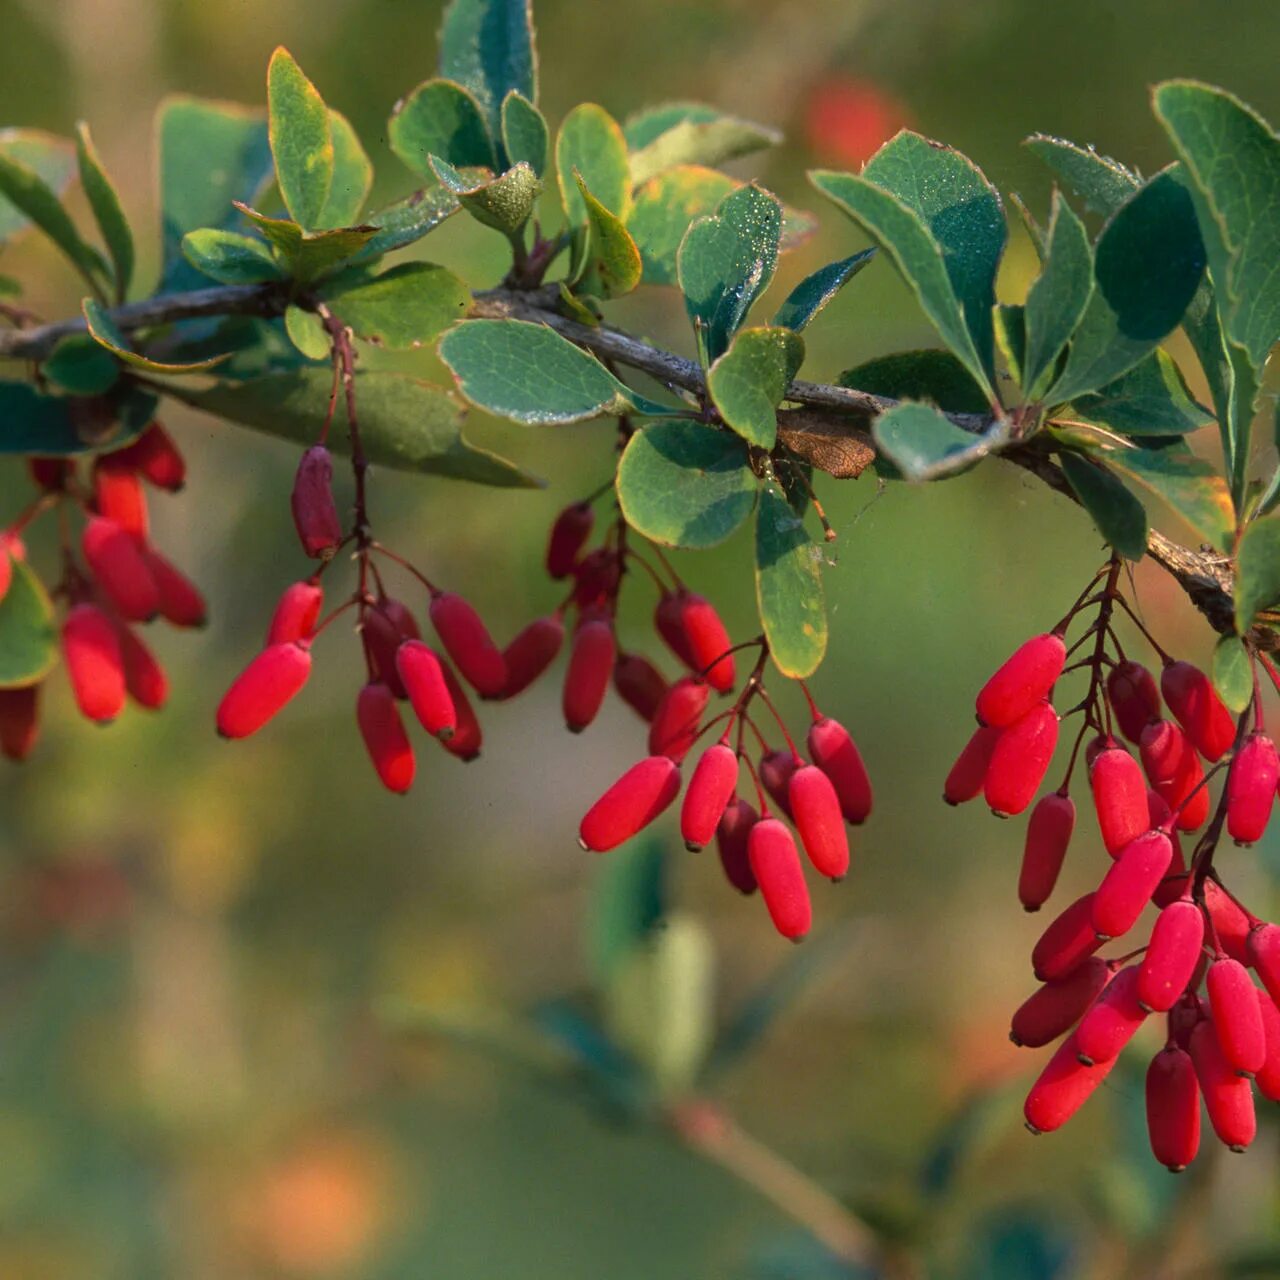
(62, 426)
(611, 263)
(28, 638)
(924, 445)
(1150, 400)
(1270, 494)
(503, 203)
(591, 142)
(1233, 673)
(688, 133)
(748, 382)
(1190, 485)
(684, 484)
(408, 220)
(1057, 300)
(1035, 232)
(1257, 570)
(352, 175)
(789, 588)
(52, 158)
(107, 211)
(1011, 337)
(307, 333)
(628, 901)
(815, 291)
(1120, 517)
(79, 365)
(28, 192)
(1148, 265)
(487, 46)
(524, 132)
(1102, 183)
(308, 255)
(230, 258)
(919, 375)
(301, 140)
(103, 330)
(404, 307)
(440, 118)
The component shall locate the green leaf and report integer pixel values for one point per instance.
(309, 255)
(405, 424)
(352, 175)
(487, 46)
(62, 426)
(440, 118)
(1148, 265)
(503, 203)
(816, 290)
(307, 333)
(1035, 232)
(749, 381)
(663, 209)
(725, 262)
(1190, 485)
(789, 588)
(1233, 673)
(628, 902)
(79, 365)
(1011, 337)
(1057, 300)
(684, 484)
(524, 132)
(407, 221)
(932, 375)
(1150, 400)
(230, 258)
(591, 143)
(211, 154)
(404, 307)
(689, 133)
(103, 330)
(301, 140)
(925, 445)
(107, 210)
(611, 263)
(52, 158)
(1120, 517)
(28, 637)
(1257, 570)
(1102, 183)
(529, 373)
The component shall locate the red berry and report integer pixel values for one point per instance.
(180, 600)
(1263, 953)
(1024, 681)
(1198, 709)
(634, 801)
(817, 815)
(121, 569)
(1268, 1077)
(144, 677)
(315, 514)
(639, 684)
(263, 688)
(95, 665)
(384, 736)
(154, 456)
(1129, 883)
(1068, 942)
(1020, 760)
(1251, 788)
(967, 775)
(6, 569)
(50, 474)
(531, 652)
(1134, 698)
(1062, 1088)
(422, 676)
(1233, 1001)
(1056, 1006)
(847, 120)
(1173, 768)
(384, 628)
(468, 643)
(467, 737)
(596, 578)
(732, 837)
(1228, 1097)
(775, 863)
(297, 612)
(1184, 1017)
(1095, 747)
(1173, 1108)
(675, 724)
(118, 495)
(590, 666)
(1112, 1020)
(833, 750)
(569, 535)
(668, 621)
(1119, 797)
(776, 768)
(19, 721)
(1048, 834)
(710, 790)
(1172, 955)
(690, 624)
(1230, 921)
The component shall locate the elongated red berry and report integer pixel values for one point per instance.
(675, 724)
(1134, 698)
(1268, 1077)
(531, 652)
(1055, 1007)
(1172, 955)
(1173, 1108)
(468, 643)
(315, 514)
(384, 628)
(1158, 816)
(1263, 953)
(639, 684)
(833, 750)
(1062, 1088)
(815, 807)
(1231, 922)
(1233, 1001)
(1023, 682)
(384, 736)
(1228, 1097)
(569, 535)
(668, 621)
(689, 623)
(732, 838)
(297, 612)
(596, 578)
(181, 603)
(1198, 709)
(1119, 798)
(1067, 943)
(1251, 788)
(1184, 1017)
(144, 677)
(263, 688)
(120, 569)
(775, 863)
(1129, 883)
(422, 676)
(1112, 1020)
(969, 772)
(19, 721)
(710, 790)
(467, 737)
(155, 457)
(1173, 768)
(118, 495)
(95, 665)
(776, 769)
(590, 666)
(1048, 834)
(634, 801)
(1020, 760)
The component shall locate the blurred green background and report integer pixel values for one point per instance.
(198, 940)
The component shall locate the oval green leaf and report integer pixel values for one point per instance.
(301, 140)
(1257, 570)
(749, 381)
(1233, 673)
(789, 588)
(107, 210)
(352, 175)
(230, 258)
(1120, 517)
(28, 637)
(440, 118)
(405, 307)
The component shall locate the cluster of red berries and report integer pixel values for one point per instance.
(116, 581)
(1216, 1044)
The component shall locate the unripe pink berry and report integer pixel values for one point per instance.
(1173, 1108)
(315, 514)
(1067, 943)
(833, 750)
(155, 457)
(1134, 698)
(1112, 1021)
(1263, 953)
(531, 652)
(263, 688)
(732, 837)
(120, 568)
(675, 724)
(634, 801)
(1172, 955)
(1020, 760)
(180, 600)
(969, 772)
(19, 721)
(710, 790)
(568, 536)
(467, 737)
(775, 863)
(1129, 883)
(1268, 1077)
(468, 643)
(1048, 834)
(118, 495)
(297, 612)
(1198, 709)
(1057, 1006)
(1023, 682)
(95, 665)
(1119, 797)
(1233, 1001)
(144, 677)
(1173, 768)
(422, 676)
(1251, 788)
(776, 769)
(384, 736)
(1228, 1097)
(639, 684)
(1062, 1088)
(590, 666)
